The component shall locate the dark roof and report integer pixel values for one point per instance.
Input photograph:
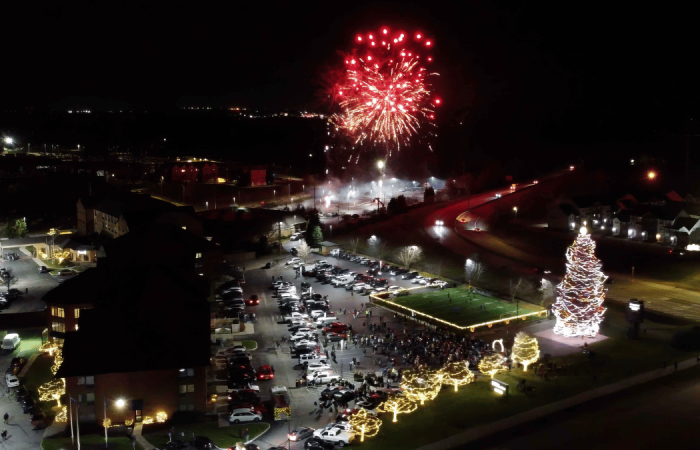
(588, 201)
(150, 319)
(117, 205)
(568, 209)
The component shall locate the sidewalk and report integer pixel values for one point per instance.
(140, 440)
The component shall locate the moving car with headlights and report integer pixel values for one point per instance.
(300, 433)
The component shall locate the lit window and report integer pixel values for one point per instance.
(90, 380)
(58, 312)
(76, 327)
(182, 389)
(190, 388)
(58, 327)
(184, 228)
(90, 398)
(198, 255)
(77, 313)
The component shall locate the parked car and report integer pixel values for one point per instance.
(409, 276)
(300, 433)
(335, 436)
(293, 261)
(244, 416)
(38, 421)
(11, 380)
(315, 443)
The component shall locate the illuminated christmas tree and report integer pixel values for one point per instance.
(397, 405)
(579, 305)
(419, 385)
(491, 364)
(456, 374)
(365, 424)
(52, 390)
(525, 349)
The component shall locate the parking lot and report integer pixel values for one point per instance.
(30, 282)
(287, 370)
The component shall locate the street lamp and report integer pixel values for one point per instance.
(120, 402)
(207, 203)
(8, 140)
(380, 165)
(651, 175)
(515, 209)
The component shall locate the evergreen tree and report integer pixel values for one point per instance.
(313, 222)
(316, 236)
(579, 305)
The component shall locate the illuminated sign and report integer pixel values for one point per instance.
(499, 387)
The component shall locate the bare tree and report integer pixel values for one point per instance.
(515, 288)
(547, 289)
(473, 268)
(303, 251)
(409, 254)
(376, 247)
(354, 243)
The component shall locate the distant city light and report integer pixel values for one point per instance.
(651, 175)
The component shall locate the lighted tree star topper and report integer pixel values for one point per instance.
(525, 349)
(365, 424)
(456, 374)
(579, 305)
(492, 364)
(397, 405)
(385, 93)
(421, 385)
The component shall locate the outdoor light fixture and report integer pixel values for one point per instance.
(651, 175)
(380, 165)
(120, 403)
(8, 140)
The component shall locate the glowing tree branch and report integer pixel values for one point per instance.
(456, 374)
(421, 385)
(409, 254)
(52, 390)
(397, 405)
(365, 424)
(525, 349)
(491, 364)
(303, 251)
(579, 305)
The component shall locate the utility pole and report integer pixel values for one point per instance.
(279, 236)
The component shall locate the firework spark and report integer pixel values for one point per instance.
(385, 94)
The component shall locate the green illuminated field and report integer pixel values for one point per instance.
(464, 308)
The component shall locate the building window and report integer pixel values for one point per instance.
(190, 372)
(77, 313)
(183, 407)
(90, 398)
(182, 389)
(186, 373)
(198, 255)
(58, 327)
(190, 407)
(76, 327)
(58, 312)
(81, 381)
(90, 381)
(184, 228)
(190, 388)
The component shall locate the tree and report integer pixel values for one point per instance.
(473, 269)
(8, 278)
(579, 305)
(514, 288)
(354, 243)
(491, 364)
(52, 390)
(397, 405)
(419, 385)
(525, 349)
(376, 247)
(392, 207)
(409, 254)
(303, 251)
(456, 374)
(429, 195)
(312, 234)
(547, 290)
(16, 229)
(401, 204)
(365, 424)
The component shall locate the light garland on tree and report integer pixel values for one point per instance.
(457, 374)
(419, 385)
(491, 364)
(365, 424)
(397, 405)
(579, 305)
(526, 350)
(62, 416)
(161, 416)
(52, 390)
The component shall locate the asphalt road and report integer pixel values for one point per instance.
(662, 414)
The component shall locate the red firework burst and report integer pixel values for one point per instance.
(385, 94)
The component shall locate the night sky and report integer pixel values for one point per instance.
(523, 75)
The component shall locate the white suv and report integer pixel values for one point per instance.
(335, 435)
(323, 376)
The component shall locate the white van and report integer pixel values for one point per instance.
(323, 376)
(324, 320)
(11, 341)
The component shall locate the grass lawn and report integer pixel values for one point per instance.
(88, 442)
(465, 307)
(475, 404)
(38, 374)
(30, 249)
(224, 437)
(249, 345)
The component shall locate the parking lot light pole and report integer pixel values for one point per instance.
(77, 418)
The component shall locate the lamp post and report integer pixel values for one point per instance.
(120, 402)
(515, 210)
(77, 418)
(161, 185)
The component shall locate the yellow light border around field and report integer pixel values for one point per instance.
(470, 327)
